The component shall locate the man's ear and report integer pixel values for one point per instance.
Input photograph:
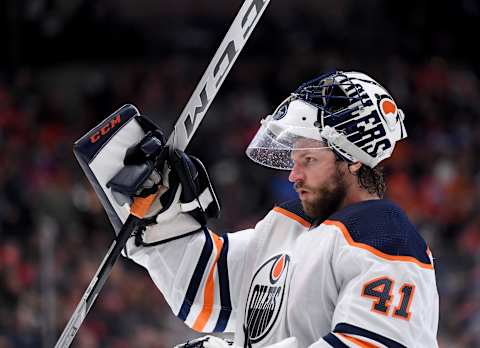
(354, 167)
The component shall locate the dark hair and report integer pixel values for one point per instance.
(372, 179)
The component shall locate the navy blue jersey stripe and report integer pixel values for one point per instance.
(295, 206)
(224, 282)
(382, 225)
(355, 330)
(333, 340)
(197, 276)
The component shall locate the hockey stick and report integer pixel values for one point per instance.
(185, 127)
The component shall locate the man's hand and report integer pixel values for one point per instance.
(207, 342)
(186, 197)
(215, 342)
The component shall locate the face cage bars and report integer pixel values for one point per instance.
(313, 90)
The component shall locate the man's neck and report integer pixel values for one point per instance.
(357, 195)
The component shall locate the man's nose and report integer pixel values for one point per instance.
(295, 174)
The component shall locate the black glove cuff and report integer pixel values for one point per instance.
(192, 174)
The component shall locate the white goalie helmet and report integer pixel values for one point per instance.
(347, 112)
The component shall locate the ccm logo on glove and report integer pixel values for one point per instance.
(105, 129)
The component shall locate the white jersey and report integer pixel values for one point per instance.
(362, 278)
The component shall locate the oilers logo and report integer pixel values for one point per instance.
(388, 110)
(265, 297)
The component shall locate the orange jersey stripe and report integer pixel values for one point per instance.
(292, 216)
(209, 291)
(358, 342)
(378, 253)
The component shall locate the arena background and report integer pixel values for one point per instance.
(66, 65)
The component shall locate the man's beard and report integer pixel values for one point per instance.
(328, 197)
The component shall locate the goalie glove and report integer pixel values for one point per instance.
(186, 195)
(141, 173)
(207, 342)
(185, 207)
(215, 342)
(197, 196)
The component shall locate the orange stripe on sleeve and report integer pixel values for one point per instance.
(292, 216)
(358, 342)
(209, 290)
(371, 249)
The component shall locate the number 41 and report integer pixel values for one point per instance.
(380, 289)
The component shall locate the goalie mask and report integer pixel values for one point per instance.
(347, 112)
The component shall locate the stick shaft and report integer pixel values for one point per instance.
(213, 77)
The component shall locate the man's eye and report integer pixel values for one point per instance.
(309, 160)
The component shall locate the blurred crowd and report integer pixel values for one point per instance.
(66, 67)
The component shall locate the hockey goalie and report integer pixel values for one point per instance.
(341, 266)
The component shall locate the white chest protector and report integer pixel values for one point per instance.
(364, 277)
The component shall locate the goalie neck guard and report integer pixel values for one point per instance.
(347, 112)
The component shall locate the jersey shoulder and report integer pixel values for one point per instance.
(294, 210)
(384, 226)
